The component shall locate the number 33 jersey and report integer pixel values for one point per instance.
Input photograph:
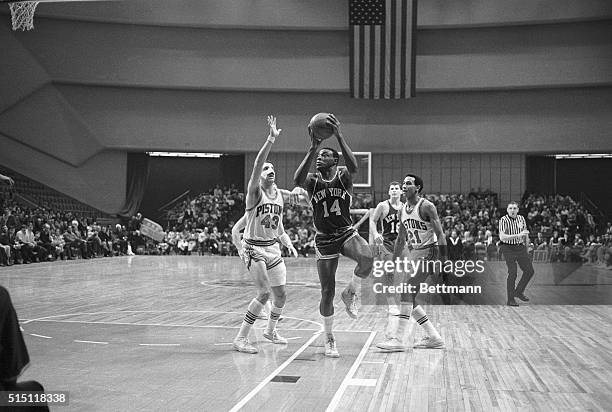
(420, 232)
(331, 203)
(264, 220)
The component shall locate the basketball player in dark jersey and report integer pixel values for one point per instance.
(387, 213)
(330, 190)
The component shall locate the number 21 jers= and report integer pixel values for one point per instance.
(412, 227)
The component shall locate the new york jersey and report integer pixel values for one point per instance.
(420, 232)
(265, 218)
(390, 225)
(331, 203)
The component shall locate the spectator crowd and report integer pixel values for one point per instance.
(38, 235)
(567, 231)
(203, 224)
(562, 229)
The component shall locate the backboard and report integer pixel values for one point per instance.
(363, 177)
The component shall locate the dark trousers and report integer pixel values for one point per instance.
(13, 354)
(27, 252)
(514, 254)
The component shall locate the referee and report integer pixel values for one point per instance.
(514, 238)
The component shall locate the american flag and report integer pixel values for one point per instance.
(383, 48)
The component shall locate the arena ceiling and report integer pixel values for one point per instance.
(192, 75)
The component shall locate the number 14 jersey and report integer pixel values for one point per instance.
(331, 203)
(265, 218)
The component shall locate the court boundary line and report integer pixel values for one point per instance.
(41, 336)
(268, 378)
(49, 318)
(172, 325)
(91, 341)
(164, 325)
(206, 283)
(159, 344)
(349, 376)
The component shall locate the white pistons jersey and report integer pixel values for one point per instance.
(420, 232)
(264, 220)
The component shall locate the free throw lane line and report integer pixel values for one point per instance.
(268, 378)
(349, 376)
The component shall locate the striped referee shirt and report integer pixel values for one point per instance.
(512, 226)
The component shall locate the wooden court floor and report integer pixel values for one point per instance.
(154, 333)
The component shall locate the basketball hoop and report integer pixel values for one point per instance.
(22, 14)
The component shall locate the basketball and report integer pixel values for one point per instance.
(319, 126)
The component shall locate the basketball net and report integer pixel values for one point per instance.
(22, 14)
